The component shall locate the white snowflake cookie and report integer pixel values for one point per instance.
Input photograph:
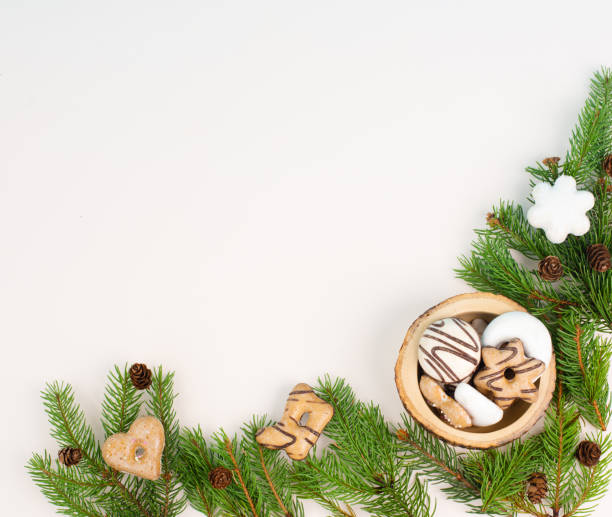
(560, 209)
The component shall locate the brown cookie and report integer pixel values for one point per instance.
(508, 375)
(138, 451)
(452, 411)
(289, 433)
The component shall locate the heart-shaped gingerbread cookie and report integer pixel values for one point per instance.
(138, 451)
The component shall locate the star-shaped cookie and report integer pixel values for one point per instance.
(508, 375)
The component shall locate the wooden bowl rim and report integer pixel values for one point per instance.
(434, 424)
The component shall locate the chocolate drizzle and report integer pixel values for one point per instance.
(506, 389)
(468, 350)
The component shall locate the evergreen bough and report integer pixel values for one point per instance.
(580, 304)
(92, 488)
(369, 464)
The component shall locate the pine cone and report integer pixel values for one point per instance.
(140, 375)
(220, 477)
(551, 162)
(69, 456)
(550, 268)
(599, 257)
(537, 487)
(605, 184)
(607, 165)
(492, 221)
(588, 453)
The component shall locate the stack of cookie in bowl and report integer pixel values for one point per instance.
(472, 380)
(477, 370)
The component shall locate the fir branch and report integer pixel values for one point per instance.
(501, 475)
(591, 482)
(166, 490)
(508, 223)
(362, 464)
(92, 487)
(591, 138)
(228, 448)
(583, 361)
(128, 495)
(491, 268)
(121, 402)
(197, 460)
(593, 402)
(559, 440)
(69, 426)
(437, 460)
(63, 488)
(272, 468)
(259, 487)
(271, 483)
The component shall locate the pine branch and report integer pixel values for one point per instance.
(167, 489)
(438, 461)
(501, 475)
(69, 426)
(63, 487)
(508, 223)
(261, 483)
(271, 483)
(229, 446)
(121, 402)
(583, 361)
(491, 268)
(362, 465)
(91, 487)
(197, 460)
(272, 468)
(591, 138)
(591, 483)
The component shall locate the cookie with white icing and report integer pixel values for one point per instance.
(482, 411)
(449, 350)
(520, 325)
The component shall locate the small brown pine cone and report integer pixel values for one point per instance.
(588, 453)
(606, 184)
(69, 456)
(550, 268)
(607, 165)
(537, 487)
(140, 375)
(551, 162)
(220, 477)
(598, 256)
(492, 221)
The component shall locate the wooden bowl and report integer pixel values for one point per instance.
(517, 420)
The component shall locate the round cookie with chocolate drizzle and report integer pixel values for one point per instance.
(449, 350)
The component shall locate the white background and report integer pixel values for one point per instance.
(256, 193)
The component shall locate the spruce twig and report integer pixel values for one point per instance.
(228, 448)
(271, 484)
(364, 465)
(91, 487)
(582, 297)
(261, 478)
(418, 448)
